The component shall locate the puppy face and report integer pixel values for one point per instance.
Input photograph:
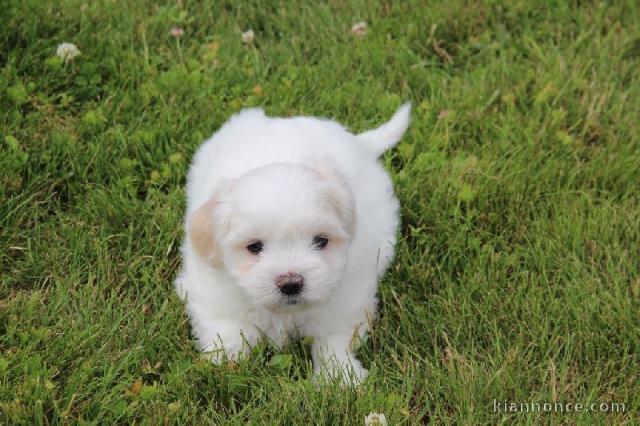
(282, 231)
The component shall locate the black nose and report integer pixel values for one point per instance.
(291, 289)
(290, 284)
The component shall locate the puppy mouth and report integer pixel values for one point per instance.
(288, 303)
(292, 301)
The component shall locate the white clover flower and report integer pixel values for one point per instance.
(375, 419)
(67, 51)
(177, 32)
(359, 29)
(248, 36)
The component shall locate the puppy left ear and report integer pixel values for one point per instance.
(340, 196)
(200, 229)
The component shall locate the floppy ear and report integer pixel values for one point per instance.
(340, 196)
(201, 232)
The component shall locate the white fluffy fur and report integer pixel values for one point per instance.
(284, 181)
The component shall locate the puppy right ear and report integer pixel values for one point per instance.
(201, 232)
(340, 195)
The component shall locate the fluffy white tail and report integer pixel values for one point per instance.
(386, 136)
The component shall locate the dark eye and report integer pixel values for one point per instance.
(255, 248)
(320, 242)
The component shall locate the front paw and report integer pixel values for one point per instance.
(221, 349)
(349, 370)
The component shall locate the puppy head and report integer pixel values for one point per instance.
(282, 231)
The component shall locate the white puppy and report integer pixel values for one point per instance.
(290, 223)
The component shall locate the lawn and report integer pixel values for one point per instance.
(517, 277)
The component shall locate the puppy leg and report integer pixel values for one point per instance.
(224, 339)
(333, 357)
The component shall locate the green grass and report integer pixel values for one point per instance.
(517, 272)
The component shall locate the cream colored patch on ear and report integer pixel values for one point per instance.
(340, 195)
(342, 200)
(201, 231)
